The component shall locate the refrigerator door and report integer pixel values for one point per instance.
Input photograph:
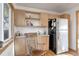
(62, 35)
(62, 24)
(62, 42)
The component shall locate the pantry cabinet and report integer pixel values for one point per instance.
(44, 19)
(19, 18)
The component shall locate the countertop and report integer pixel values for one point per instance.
(43, 35)
(23, 36)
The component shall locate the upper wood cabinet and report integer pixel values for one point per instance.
(32, 16)
(44, 19)
(51, 16)
(19, 18)
(23, 18)
(65, 16)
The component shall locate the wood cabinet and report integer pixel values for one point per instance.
(65, 16)
(32, 15)
(22, 48)
(51, 16)
(43, 43)
(44, 19)
(19, 45)
(19, 18)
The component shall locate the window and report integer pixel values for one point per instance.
(6, 21)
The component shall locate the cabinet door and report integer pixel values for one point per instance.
(46, 42)
(51, 16)
(19, 47)
(19, 17)
(44, 19)
(43, 43)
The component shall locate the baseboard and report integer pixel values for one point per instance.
(73, 50)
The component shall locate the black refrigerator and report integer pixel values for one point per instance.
(58, 35)
(52, 34)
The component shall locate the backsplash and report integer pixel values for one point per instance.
(31, 29)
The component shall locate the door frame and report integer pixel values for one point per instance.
(77, 31)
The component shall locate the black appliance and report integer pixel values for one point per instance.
(52, 34)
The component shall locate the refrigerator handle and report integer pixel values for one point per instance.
(58, 36)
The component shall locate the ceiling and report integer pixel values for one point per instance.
(56, 7)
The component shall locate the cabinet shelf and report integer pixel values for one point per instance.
(33, 26)
(32, 18)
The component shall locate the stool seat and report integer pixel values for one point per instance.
(38, 52)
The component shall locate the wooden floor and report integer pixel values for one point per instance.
(78, 51)
(43, 53)
(51, 53)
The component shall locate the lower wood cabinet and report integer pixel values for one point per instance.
(19, 45)
(43, 43)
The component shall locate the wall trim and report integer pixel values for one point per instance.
(77, 30)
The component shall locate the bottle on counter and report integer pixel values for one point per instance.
(18, 33)
(38, 32)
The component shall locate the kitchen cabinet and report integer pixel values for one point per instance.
(44, 19)
(65, 16)
(51, 16)
(43, 43)
(19, 45)
(32, 15)
(19, 18)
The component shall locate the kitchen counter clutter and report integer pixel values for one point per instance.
(22, 43)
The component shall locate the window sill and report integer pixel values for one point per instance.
(5, 45)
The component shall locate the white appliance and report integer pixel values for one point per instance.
(61, 35)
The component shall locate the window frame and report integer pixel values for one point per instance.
(9, 37)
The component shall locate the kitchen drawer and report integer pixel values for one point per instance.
(43, 43)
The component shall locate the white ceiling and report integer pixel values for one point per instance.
(57, 7)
